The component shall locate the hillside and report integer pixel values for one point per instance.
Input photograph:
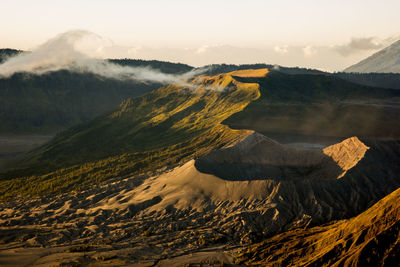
(386, 60)
(57, 100)
(369, 239)
(162, 66)
(51, 102)
(383, 80)
(320, 105)
(163, 127)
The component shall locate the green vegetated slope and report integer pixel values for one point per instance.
(54, 101)
(369, 239)
(161, 128)
(320, 105)
(177, 122)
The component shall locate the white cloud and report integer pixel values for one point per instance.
(309, 51)
(358, 44)
(284, 49)
(83, 51)
(202, 49)
(207, 48)
(66, 52)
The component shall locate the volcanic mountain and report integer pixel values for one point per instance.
(248, 190)
(174, 123)
(386, 60)
(162, 177)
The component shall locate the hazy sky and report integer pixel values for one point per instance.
(322, 34)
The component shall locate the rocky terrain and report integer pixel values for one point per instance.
(369, 239)
(201, 206)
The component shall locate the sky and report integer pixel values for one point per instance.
(324, 34)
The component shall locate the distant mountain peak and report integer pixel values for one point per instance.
(386, 60)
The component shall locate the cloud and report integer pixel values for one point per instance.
(83, 52)
(284, 49)
(358, 44)
(202, 49)
(210, 48)
(70, 50)
(309, 51)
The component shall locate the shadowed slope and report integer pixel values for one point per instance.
(54, 101)
(258, 157)
(319, 105)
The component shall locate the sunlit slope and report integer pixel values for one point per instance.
(369, 239)
(161, 128)
(320, 105)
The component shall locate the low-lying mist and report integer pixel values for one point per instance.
(71, 51)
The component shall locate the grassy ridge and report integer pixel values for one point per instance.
(164, 127)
